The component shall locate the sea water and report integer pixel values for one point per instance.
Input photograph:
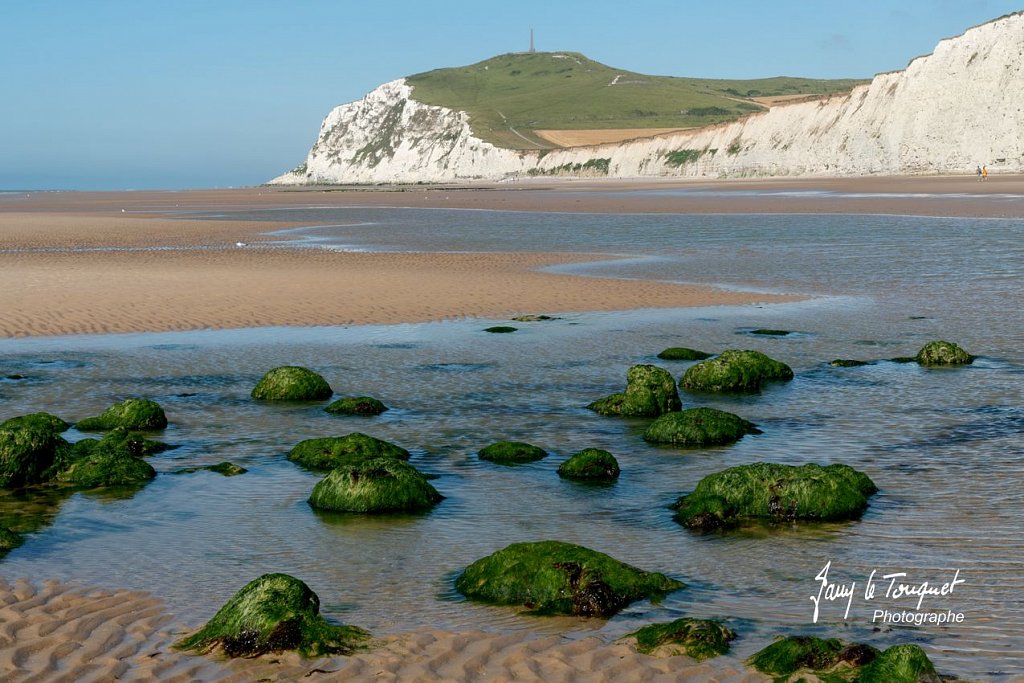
(944, 446)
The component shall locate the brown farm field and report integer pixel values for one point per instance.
(582, 138)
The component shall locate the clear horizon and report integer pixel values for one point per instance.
(119, 94)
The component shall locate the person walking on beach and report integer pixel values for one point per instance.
(984, 172)
(979, 173)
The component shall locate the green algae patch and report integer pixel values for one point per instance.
(697, 638)
(736, 372)
(551, 577)
(650, 392)
(9, 540)
(501, 329)
(774, 492)
(847, 363)
(31, 452)
(590, 464)
(139, 414)
(512, 453)
(273, 613)
(356, 405)
(375, 486)
(292, 383)
(110, 461)
(768, 332)
(334, 451)
(39, 421)
(796, 657)
(699, 427)
(942, 353)
(682, 353)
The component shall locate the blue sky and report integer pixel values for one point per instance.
(133, 94)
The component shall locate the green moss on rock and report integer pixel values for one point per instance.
(775, 492)
(356, 405)
(110, 461)
(292, 383)
(650, 392)
(847, 363)
(697, 638)
(273, 613)
(512, 453)
(41, 421)
(832, 660)
(9, 540)
(334, 451)
(31, 452)
(682, 353)
(134, 413)
(551, 577)
(790, 654)
(381, 485)
(590, 464)
(943, 353)
(699, 427)
(735, 371)
(899, 664)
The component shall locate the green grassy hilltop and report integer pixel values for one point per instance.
(510, 96)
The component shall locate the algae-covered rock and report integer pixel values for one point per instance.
(9, 540)
(699, 427)
(735, 371)
(134, 413)
(829, 659)
(650, 392)
(697, 638)
(847, 363)
(228, 469)
(768, 332)
(273, 613)
(42, 421)
(356, 405)
(291, 383)
(682, 353)
(110, 461)
(533, 318)
(31, 451)
(500, 329)
(512, 452)
(590, 464)
(381, 485)
(551, 577)
(334, 451)
(943, 353)
(775, 492)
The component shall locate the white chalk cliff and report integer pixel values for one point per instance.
(960, 106)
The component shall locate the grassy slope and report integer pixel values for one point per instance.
(510, 95)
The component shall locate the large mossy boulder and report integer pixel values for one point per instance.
(590, 464)
(139, 414)
(356, 405)
(31, 451)
(42, 421)
(777, 493)
(697, 638)
(942, 353)
(375, 486)
(114, 460)
(9, 540)
(735, 371)
(512, 452)
(699, 427)
(273, 613)
(799, 657)
(650, 392)
(335, 451)
(682, 353)
(292, 383)
(551, 577)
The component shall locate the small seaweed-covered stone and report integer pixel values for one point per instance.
(699, 427)
(31, 451)
(943, 353)
(109, 461)
(735, 371)
(682, 353)
(774, 492)
(333, 451)
(139, 414)
(769, 332)
(590, 464)
(374, 486)
(273, 613)
(847, 363)
(292, 383)
(356, 405)
(793, 653)
(9, 540)
(905, 663)
(42, 421)
(650, 391)
(807, 656)
(552, 577)
(512, 452)
(500, 329)
(697, 638)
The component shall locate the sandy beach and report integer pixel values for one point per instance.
(97, 263)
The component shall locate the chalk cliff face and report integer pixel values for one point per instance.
(961, 106)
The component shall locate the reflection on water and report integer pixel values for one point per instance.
(944, 447)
